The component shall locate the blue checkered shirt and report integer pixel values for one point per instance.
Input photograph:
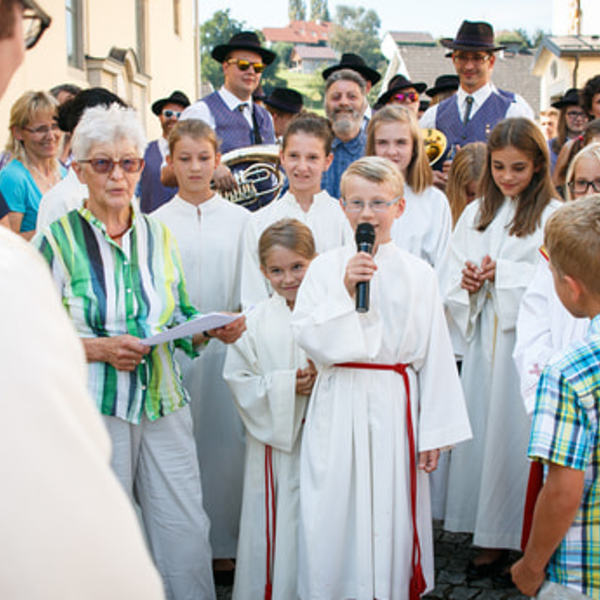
(565, 432)
(344, 153)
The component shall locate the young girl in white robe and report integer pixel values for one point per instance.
(208, 230)
(305, 156)
(425, 226)
(271, 378)
(386, 399)
(492, 258)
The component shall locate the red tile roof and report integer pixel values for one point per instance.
(299, 32)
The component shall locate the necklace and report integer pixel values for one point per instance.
(50, 180)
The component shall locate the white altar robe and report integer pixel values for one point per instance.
(261, 370)
(544, 327)
(488, 475)
(425, 225)
(355, 525)
(325, 218)
(209, 239)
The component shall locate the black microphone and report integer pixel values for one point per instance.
(365, 238)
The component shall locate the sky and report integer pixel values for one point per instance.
(441, 18)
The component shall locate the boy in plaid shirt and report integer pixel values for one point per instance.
(563, 551)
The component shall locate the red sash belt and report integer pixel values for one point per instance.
(417, 580)
(270, 519)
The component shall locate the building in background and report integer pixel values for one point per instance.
(139, 49)
(308, 59)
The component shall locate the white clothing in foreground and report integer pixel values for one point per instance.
(355, 525)
(261, 370)
(488, 475)
(424, 228)
(68, 529)
(544, 327)
(67, 195)
(325, 218)
(210, 242)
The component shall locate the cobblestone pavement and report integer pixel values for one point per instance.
(452, 553)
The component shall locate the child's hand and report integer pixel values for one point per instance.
(471, 278)
(360, 267)
(305, 379)
(428, 460)
(488, 269)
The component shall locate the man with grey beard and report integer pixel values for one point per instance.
(345, 104)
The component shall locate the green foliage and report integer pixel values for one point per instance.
(296, 10)
(319, 10)
(217, 30)
(284, 53)
(357, 30)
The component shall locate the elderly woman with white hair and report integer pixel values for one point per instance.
(120, 277)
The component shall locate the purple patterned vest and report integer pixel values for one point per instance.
(478, 128)
(233, 131)
(152, 192)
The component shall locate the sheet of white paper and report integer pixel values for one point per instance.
(203, 323)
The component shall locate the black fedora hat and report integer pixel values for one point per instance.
(176, 97)
(570, 98)
(354, 63)
(244, 40)
(443, 83)
(396, 84)
(473, 36)
(285, 99)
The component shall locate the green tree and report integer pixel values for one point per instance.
(319, 10)
(296, 10)
(357, 30)
(217, 30)
(269, 78)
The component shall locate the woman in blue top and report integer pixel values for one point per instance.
(34, 143)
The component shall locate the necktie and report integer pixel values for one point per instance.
(469, 100)
(255, 129)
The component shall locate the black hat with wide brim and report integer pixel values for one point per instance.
(473, 36)
(176, 97)
(570, 98)
(354, 63)
(245, 40)
(397, 84)
(443, 83)
(285, 99)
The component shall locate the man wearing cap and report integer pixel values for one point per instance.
(402, 91)
(151, 191)
(444, 87)
(230, 111)
(283, 104)
(356, 63)
(345, 104)
(476, 108)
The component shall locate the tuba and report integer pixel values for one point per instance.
(435, 144)
(259, 178)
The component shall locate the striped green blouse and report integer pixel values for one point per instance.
(137, 288)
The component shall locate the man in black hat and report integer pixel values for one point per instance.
(151, 191)
(476, 108)
(230, 111)
(444, 87)
(402, 91)
(283, 104)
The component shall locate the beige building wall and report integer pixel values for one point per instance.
(108, 25)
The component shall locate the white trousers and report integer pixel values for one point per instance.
(157, 465)
(556, 591)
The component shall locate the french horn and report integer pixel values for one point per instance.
(435, 144)
(260, 177)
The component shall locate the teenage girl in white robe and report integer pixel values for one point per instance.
(271, 379)
(305, 155)
(492, 258)
(425, 226)
(208, 230)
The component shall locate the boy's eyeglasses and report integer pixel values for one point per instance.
(43, 130)
(106, 165)
(37, 21)
(169, 114)
(357, 206)
(581, 186)
(408, 97)
(244, 65)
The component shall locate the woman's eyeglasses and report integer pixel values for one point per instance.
(43, 130)
(581, 186)
(106, 165)
(244, 65)
(409, 97)
(36, 22)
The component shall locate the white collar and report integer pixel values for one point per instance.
(231, 100)
(479, 96)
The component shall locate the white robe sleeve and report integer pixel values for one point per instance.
(266, 400)
(254, 285)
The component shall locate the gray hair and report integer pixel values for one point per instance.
(106, 125)
(347, 75)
